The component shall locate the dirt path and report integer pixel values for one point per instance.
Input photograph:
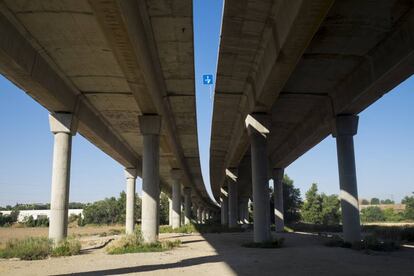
(221, 254)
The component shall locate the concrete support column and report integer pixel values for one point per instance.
(199, 215)
(150, 128)
(170, 211)
(244, 210)
(224, 206)
(232, 196)
(63, 126)
(130, 175)
(187, 205)
(277, 175)
(346, 126)
(258, 129)
(195, 210)
(176, 198)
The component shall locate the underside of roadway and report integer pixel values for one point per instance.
(222, 254)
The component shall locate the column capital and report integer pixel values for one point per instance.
(63, 122)
(176, 174)
(223, 191)
(150, 124)
(130, 173)
(258, 122)
(232, 174)
(187, 190)
(345, 125)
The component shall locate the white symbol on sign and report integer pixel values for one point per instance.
(208, 80)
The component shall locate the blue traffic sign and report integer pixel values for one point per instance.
(208, 79)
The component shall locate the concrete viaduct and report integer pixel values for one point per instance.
(290, 73)
(121, 74)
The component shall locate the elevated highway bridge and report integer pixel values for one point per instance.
(290, 73)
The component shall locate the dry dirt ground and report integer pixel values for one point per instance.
(222, 254)
(7, 233)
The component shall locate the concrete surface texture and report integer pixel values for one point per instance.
(222, 254)
(107, 62)
(303, 62)
(130, 175)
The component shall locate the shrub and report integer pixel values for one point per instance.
(27, 249)
(73, 218)
(108, 211)
(5, 220)
(321, 208)
(368, 243)
(184, 229)
(41, 221)
(409, 207)
(29, 221)
(39, 248)
(372, 214)
(81, 221)
(67, 247)
(134, 244)
(373, 243)
(315, 228)
(397, 233)
(391, 215)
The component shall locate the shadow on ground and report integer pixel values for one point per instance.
(303, 254)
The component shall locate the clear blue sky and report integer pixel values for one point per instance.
(384, 146)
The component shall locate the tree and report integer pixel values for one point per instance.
(391, 215)
(375, 201)
(330, 209)
(409, 207)
(312, 208)
(372, 214)
(292, 201)
(364, 202)
(109, 211)
(164, 209)
(387, 201)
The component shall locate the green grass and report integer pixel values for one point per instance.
(134, 244)
(185, 229)
(200, 228)
(68, 247)
(38, 248)
(145, 247)
(27, 249)
(369, 243)
(384, 232)
(396, 233)
(276, 243)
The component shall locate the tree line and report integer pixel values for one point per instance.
(317, 208)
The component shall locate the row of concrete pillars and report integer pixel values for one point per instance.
(258, 127)
(63, 126)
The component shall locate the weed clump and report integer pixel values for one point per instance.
(368, 243)
(27, 249)
(36, 248)
(184, 229)
(135, 244)
(68, 247)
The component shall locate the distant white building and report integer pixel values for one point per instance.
(35, 213)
